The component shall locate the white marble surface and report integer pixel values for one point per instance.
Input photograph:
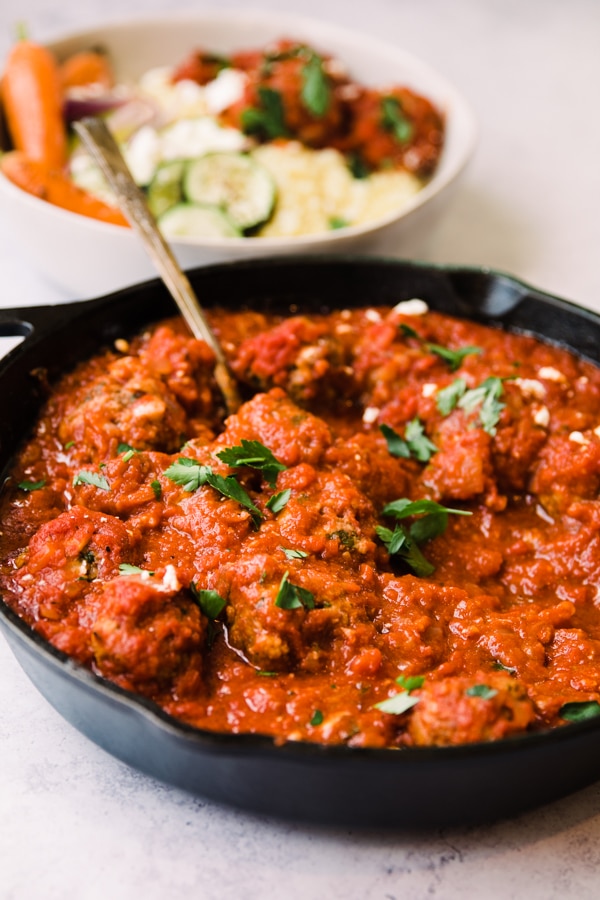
(76, 824)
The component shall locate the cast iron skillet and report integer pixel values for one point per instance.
(421, 787)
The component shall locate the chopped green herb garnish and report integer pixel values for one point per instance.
(448, 397)
(486, 397)
(256, 456)
(126, 569)
(410, 682)
(336, 222)
(419, 444)
(266, 674)
(395, 444)
(407, 331)
(188, 473)
(156, 487)
(399, 542)
(210, 602)
(394, 120)
(481, 690)
(291, 596)
(434, 516)
(397, 703)
(279, 501)
(294, 554)
(358, 166)
(317, 717)
(93, 478)
(453, 357)
(579, 712)
(231, 488)
(267, 121)
(69, 444)
(128, 450)
(32, 485)
(316, 90)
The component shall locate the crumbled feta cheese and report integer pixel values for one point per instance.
(551, 374)
(414, 307)
(143, 154)
(189, 138)
(226, 89)
(370, 414)
(578, 438)
(531, 388)
(170, 580)
(429, 389)
(542, 416)
(372, 315)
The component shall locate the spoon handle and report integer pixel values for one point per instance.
(103, 148)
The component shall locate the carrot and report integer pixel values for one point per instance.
(32, 98)
(86, 67)
(54, 186)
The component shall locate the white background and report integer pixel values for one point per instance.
(76, 824)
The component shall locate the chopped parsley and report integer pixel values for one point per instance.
(316, 90)
(256, 456)
(410, 682)
(408, 331)
(336, 222)
(481, 690)
(294, 554)
(394, 120)
(191, 475)
(279, 501)
(93, 478)
(128, 450)
(156, 487)
(448, 397)
(317, 718)
(267, 121)
(483, 399)
(397, 703)
(32, 485)
(126, 569)
(579, 712)
(291, 596)
(414, 444)
(358, 167)
(402, 542)
(210, 602)
(453, 357)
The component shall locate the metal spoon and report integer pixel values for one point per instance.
(103, 148)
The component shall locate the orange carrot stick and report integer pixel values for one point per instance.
(32, 98)
(86, 67)
(56, 187)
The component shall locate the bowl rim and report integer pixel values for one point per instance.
(454, 101)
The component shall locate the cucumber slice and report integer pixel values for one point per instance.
(234, 181)
(197, 220)
(164, 191)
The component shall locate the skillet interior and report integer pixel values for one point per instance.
(408, 788)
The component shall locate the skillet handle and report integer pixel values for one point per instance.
(25, 320)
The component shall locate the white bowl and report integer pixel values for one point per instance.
(87, 258)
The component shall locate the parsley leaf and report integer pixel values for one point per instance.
(267, 121)
(231, 488)
(316, 91)
(434, 519)
(128, 450)
(156, 487)
(395, 444)
(256, 456)
(448, 397)
(397, 703)
(291, 596)
(294, 554)
(32, 485)
(408, 331)
(410, 682)
(453, 357)
(93, 478)
(358, 167)
(336, 222)
(317, 717)
(210, 602)
(394, 120)
(481, 690)
(279, 501)
(420, 445)
(126, 569)
(188, 473)
(486, 397)
(400, 543)
(579, 712)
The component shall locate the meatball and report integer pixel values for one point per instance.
(464, 709)
(148, 636)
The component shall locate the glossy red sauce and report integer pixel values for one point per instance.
(318, 621)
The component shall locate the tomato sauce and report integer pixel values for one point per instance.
(394, 542)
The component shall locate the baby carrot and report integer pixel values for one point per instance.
(32, 98)
(86, 67)
(54, 186)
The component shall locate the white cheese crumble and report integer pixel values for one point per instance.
(226, 89)
(370, 414)
(542, 416)
(170, 580)
(429, 389)
(414, 307)
(551, 374)
(531, 388)
(578, 438)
